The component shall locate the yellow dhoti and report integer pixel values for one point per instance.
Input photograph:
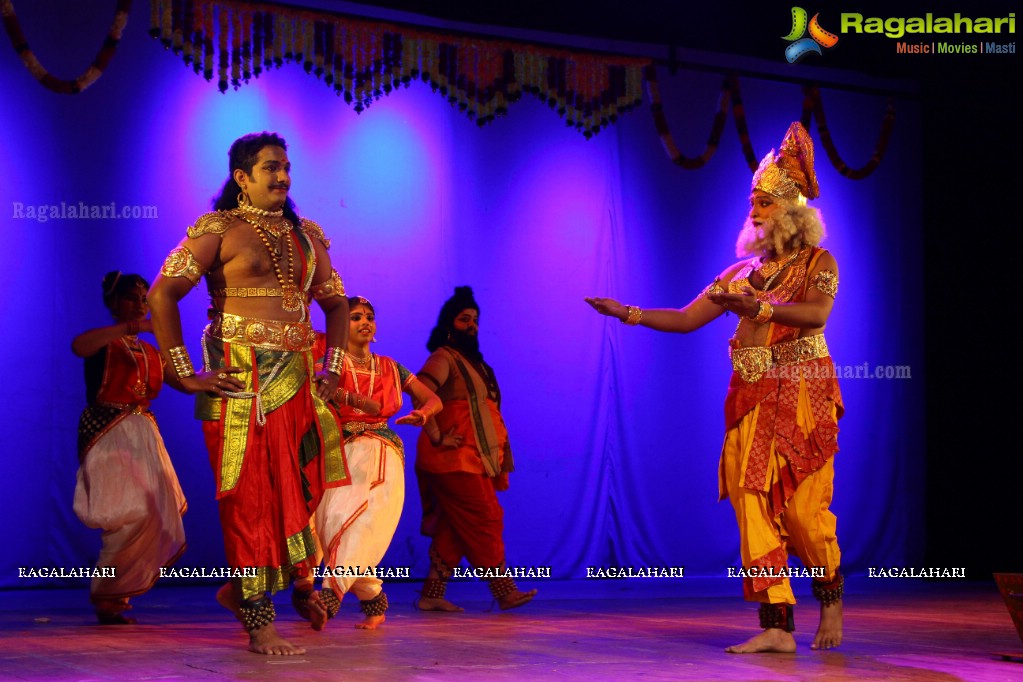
(790, 513)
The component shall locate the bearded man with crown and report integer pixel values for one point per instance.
(783, 402)
(273, 442)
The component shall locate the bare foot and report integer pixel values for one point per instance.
(371, 623)
(111, 618)
(266, 640)
(228, 598)
(515, 599)
(310, 607)
(770, 641)
(829, 631)
(435, 604)
(317, 612)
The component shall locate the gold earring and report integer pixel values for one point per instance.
(243, 198)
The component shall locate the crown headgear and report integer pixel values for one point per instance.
(788, 174)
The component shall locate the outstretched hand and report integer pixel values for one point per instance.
(415, 418)
(608, 306)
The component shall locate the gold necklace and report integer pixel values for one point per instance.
(273, 222)
(771, 269)
(372, 376)
(141, 387)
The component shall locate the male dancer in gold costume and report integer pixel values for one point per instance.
(272, 442)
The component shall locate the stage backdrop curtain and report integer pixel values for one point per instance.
(616, 430)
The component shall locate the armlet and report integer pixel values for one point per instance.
(825, 281)
(433, 380)
(216, 222)
(181, 263)
(332, 287)
(314, 230)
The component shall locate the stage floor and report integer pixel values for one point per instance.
(573, 630)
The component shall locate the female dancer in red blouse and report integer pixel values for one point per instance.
(126, 482)
(356, 521)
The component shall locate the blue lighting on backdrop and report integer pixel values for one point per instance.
(616, 430)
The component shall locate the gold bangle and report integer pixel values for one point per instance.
(764, 312)
(181, 362)
(635, 315)
(334, 360)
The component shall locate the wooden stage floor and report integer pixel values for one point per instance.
(574, 630)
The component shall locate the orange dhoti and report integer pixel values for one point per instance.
(460, 508)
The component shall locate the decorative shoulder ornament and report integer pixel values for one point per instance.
(216, 222)
(788, 174)
(313, 229)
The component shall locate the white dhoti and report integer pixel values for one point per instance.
(127, 487)
(356, 522)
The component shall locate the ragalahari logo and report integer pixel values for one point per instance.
(800, 44)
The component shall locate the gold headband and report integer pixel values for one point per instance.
(789, 174)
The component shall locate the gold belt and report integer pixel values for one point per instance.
(752, 362)
(246, 292)
(125, 407)
(252, 331)
(359, 427)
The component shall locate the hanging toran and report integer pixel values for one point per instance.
(363, 60)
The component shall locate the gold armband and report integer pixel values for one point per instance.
(826, 282)
(181, 362)
(333, 360)
(181, 263)
(216, 222)
(332, 287)
(635, 315)
(764, 313)
(314, 230)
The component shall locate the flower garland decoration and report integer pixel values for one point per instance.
(363, 60)
(741, 127)
(661, 123)
(48, 80)
(812, 108)
(887, 124)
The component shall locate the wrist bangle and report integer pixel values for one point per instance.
(634, 316)
(333, 360)
(181, 362)
(764, 312)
